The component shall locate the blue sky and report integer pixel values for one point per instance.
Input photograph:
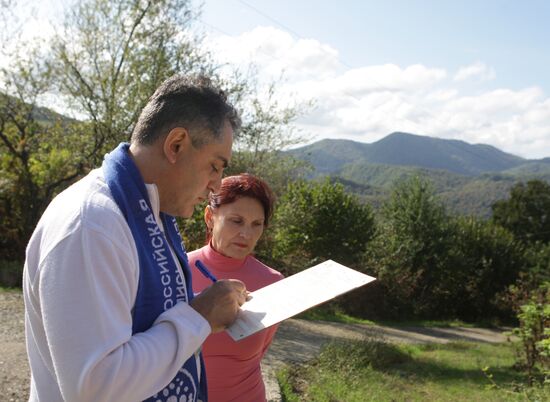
(511, 36)
(476, 71)
(471, 70)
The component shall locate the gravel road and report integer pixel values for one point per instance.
(296, 341)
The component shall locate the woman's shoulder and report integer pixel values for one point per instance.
(267, 270)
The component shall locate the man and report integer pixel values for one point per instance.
(110, 313)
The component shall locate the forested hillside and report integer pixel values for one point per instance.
(469, 178)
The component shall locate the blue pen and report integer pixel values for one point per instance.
(205, 271)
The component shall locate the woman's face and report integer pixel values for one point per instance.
(236, 227)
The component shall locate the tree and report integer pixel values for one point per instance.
(535, 273)
(487, 259)
(265, 133)
(104, 64)
(426, 259)
(110, 56)
(527, 212)
(410, 254)
(9, 22)
(316, 221)
(101, 67)
(39, 153)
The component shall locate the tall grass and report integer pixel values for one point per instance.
(376, 371)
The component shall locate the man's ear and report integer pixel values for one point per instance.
(208, 216)
(175, 143)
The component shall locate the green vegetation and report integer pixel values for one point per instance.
(409, 210)
(325, 313)
(11, 273)
(320, 221)
(425, 260)
(534, 333)
(376, 371)
(468, 178)
(322, 313)
(526, 212)
(102, 65)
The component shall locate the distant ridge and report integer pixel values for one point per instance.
(406, 149)
(469, 178)
(435, 153)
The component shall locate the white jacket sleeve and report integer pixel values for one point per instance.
(87, 285)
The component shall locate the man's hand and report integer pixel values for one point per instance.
(219, 303)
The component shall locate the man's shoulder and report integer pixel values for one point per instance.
(88, 202)
(85, 199)
(84, 208)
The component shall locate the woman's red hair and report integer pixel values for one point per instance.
(244, 185)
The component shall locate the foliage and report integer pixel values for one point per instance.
(11, 274)
(40, 153)
(426, 259)
(265, 133)
(534, 332)
(485, 260)
(111, 56)
(103, 65)
(316, 221)
(410, 254)
(526, 212)
(193, 229)
(322, 313)
(536, 271)
(100, 68)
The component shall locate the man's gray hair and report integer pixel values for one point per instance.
(191, 102)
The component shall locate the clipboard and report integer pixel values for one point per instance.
(294, 294)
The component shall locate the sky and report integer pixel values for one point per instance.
(477, 71)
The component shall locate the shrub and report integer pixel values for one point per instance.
(11, 274)
(534, 333)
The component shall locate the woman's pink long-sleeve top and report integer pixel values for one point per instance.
(233, 369)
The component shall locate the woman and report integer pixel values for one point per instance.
(235, 219)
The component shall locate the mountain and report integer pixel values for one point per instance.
(405, 149)
(469, 178)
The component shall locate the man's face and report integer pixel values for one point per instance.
(198, 172)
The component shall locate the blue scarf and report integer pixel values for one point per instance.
(160, 284)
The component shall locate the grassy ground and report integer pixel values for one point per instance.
(375, 371)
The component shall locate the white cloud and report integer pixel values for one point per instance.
(276, 51)
(388, 77)
(477, 71)
(367, 103)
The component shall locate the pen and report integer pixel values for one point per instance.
(205, 271)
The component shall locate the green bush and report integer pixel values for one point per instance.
(426, 260)
(11, 274)
(411, 253)
(534, 333)
(316, 221)
(525, 213)
(487, 259)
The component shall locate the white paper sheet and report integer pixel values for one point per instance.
(292, 295)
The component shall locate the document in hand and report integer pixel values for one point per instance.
(290, 296)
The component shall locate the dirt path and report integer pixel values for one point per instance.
(296, 341)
